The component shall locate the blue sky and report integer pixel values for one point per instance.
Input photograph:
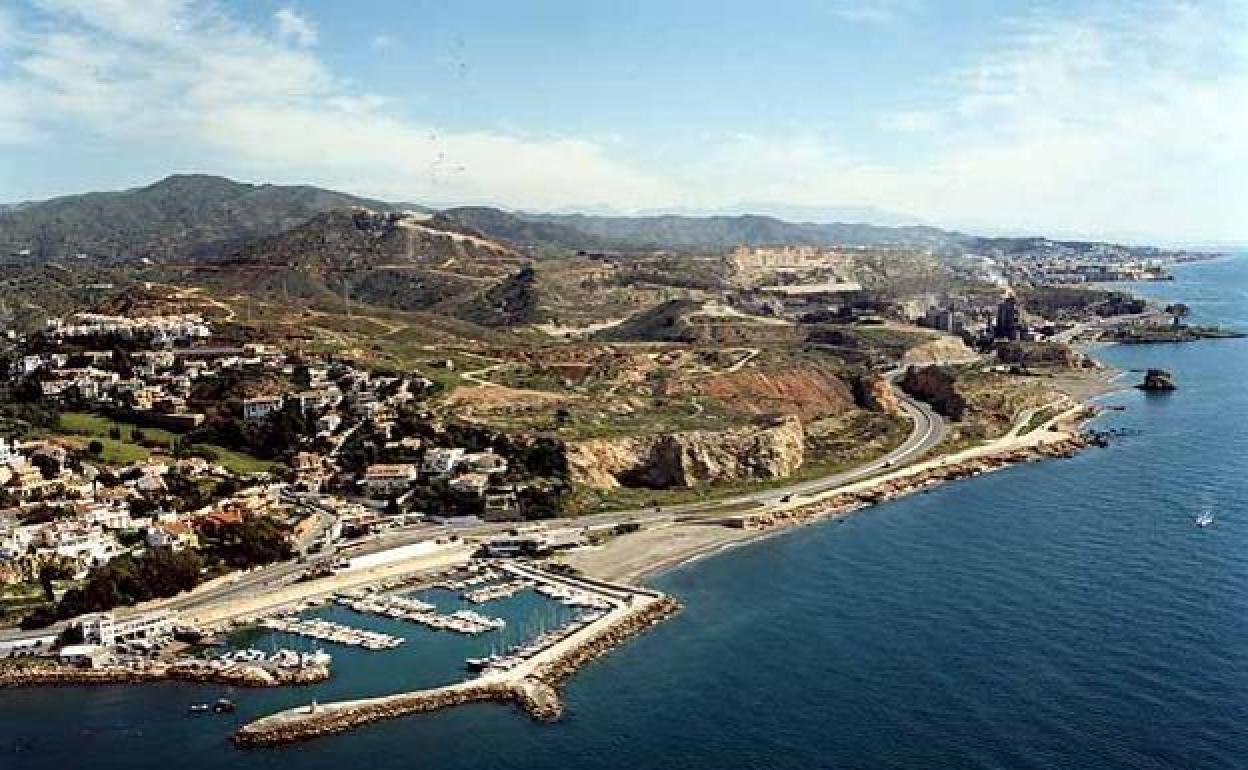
(1120, 119)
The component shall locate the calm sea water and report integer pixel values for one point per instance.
(1057, 615)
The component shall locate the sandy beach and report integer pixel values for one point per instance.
(634, 557)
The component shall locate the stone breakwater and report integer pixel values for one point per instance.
(535, 692)
(556, 671)
(46, 674)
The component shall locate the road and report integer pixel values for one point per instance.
(929, 430)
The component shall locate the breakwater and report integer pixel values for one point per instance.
(51, 674)
(533, 689)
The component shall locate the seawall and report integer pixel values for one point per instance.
(48, 674)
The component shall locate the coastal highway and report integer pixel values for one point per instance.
(928, 430)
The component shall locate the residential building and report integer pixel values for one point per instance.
(386, 480)
(174, 535)
(260, 407)
(442, 462)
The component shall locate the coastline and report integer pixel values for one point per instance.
(45, 674)
(642, 556)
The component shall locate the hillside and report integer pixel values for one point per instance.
(181, 216)
(721, 233)
(529, 234)
(357, 237)
(202, 217)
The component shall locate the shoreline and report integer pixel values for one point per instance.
(791, 523)
(45, 674)
(533, 685)
(643, 556)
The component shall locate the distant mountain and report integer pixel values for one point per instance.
(181, 216)
(720, 233)
(522, 231)
(868, 215)
(199, 217)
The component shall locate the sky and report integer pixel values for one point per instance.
(1124, 120)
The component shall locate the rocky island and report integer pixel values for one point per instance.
(1158, 380)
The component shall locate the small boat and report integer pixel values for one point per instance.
(199, 708)
(223, 706)
(1204, 519)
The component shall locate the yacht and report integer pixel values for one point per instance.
(1204, 519)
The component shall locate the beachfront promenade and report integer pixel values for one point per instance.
(531, 683)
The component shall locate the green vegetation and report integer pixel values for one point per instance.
(254, 541)
(119, 447)
(1040, 418)
(124, 581)
(833, 446)
(130, 579)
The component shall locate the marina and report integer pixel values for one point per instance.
(498, 591)
(527, 673)
(282, 658)
(417, 611)
(329, 631)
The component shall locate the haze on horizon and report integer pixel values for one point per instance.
(1116, 120)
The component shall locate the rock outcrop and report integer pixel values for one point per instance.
(1158, 380)
(939, 350)
(937, 385)
(774, 449)
(875, 394)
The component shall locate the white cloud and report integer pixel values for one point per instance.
(870, 11)
(382, 41)
(1119, 123)
(294, 29)
(1122, 122)
(251, 105)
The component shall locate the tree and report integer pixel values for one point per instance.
(96, 447)
(48, 572)
(114, 433)
(48, 465)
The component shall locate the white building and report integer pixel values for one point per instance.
(385, 480)
(8, 451)
(105, 629)
(261, 407)
(440, 462)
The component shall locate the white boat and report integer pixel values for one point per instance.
(1204, 519)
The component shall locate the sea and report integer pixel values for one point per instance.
(1062, 614)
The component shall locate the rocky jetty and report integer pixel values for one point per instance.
(46, 673)
(536, 693)
(770, 449)
(1158, 380)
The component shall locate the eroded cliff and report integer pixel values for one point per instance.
(773, 448)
